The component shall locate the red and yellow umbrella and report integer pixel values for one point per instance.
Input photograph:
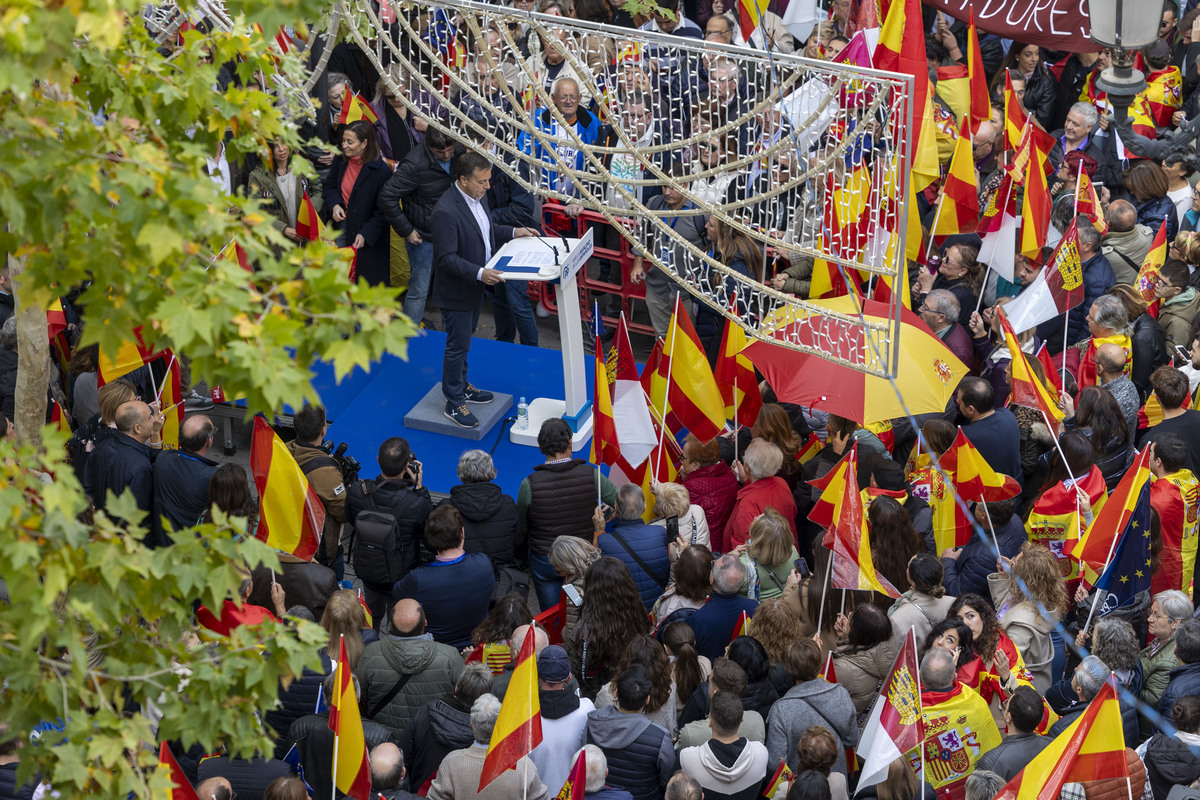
(926, 379)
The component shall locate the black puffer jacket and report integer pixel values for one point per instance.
(418, 183)
(296, 701)
(640, 755)
(8, 382)
(1169, 762)
(490, 521)
(9, 790)
(1040, 90)
(1149, 352)
(437, 729)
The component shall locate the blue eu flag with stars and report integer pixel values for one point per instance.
(1128, 572)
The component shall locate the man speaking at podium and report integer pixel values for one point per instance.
(464, 239)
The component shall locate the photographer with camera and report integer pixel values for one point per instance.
(388, 516)
(325, 476)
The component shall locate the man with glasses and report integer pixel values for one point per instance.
(1180, 304)
(571, 122)
(407, 200)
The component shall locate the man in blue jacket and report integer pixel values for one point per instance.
(640, 547)
(715, 620)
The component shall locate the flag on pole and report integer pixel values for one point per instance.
(1156, 256)
(170, 400)
(1128, 573)
(362, 601)
(750, 16)
(576, 786)
(1027, 389)
(839, 510)
(998, 226)
(291, 516)
(308, 223)
(735, 377)
(519, 727)
(351, 765)
(56, 318)
(894, 726)
(355, 108)
(183, 789)
(1091, 748)
(782, 776)
(742, 628)
(1053, 378)
(1015, 117)
(693, 394)
(1091, 550)
(1035, 210)
(1057, 289)
(636, 433)
(974, 479)
(958, 210)
(235, 253)
(828, 672)
(981, 106)
(901, 49)
(131, 354)
(1088, 203)
(810, 449)
(605, 449)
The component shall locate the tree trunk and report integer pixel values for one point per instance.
(33, 361)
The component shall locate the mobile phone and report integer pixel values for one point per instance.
(1183, 353)
(802, 567)
(573, 594)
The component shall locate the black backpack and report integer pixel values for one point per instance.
(377, 559)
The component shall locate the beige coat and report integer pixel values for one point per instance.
(1029, 631)
(863, 672)
(918, 611)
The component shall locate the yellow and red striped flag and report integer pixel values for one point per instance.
(1027, 389)
(839, 510)
(56, 318)
(362, 601)
(735, 377)
(1015, 117)
(781, 776)
(355, 108)
(958, 210)
(170, 400)
(692, 392)
(291, 515)
(1087, 201)
(974, 479)
(351, 766)
(901, 49)
(810, 448)
(308, 223)
(576, 786)
(1035, 210)
(519, 727)
(1091, 748)
(981, 106)
(1156, 256)
(742, 628)
(1091, 550)
(828, 673)
(605, 448)
(236, 254)
(183, 789)
(132, 354)
(750, 16)
(58, 419)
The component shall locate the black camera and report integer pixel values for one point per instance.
(348, 464)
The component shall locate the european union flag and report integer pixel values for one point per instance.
(292, 759)
(597, 323)
(1128, 572)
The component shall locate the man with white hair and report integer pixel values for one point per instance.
(458, 777)
(715, 620)
(596, 787)
(761, 487)
(1087, 682)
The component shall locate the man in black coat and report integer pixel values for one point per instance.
(464, 240)
(181, 476)
(1023, 714)
(126, 461)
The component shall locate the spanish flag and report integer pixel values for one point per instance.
(351, 766)
(183, 789)
(951, 525)
(742, 628)
(828, 673)
(1091, 748)
(750, 16)
(576, 785)
(291, 515)
(308, 224)
(782, 776)
(237, 254)
(362, 601)
(901, 49)
(958, 210)
(692, 391)
(170, 400)
(1035, 209)
(810, 449)
(1152, 264)
(1015, 118)
(519, 727)
(981, 106)
(605, 449)
(1027, 389)
(132, 354)
(1164, 95)
(1087, 201)
(1151, 413)
(974, 479)
(1091, 550)
(1055, 521)
(56, 318)
(355, 108)
(1175, 497)
(735, 377)
(839, 510)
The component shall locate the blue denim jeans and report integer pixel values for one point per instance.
(514, 313)
(420, 264)
(547, 583)
(460, 327)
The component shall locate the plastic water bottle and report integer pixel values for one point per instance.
(522, 415)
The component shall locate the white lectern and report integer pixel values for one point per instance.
(555, 260)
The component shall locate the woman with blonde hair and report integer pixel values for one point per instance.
(1030, 599)
(774, 425)
(776, 627)
(681, 517)
(344, 620)
(768, 556)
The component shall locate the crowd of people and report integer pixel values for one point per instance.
(642, 665)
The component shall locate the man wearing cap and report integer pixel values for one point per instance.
(564, 715)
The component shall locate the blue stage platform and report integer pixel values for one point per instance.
(366, 408)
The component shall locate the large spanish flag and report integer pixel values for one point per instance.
(974, 479)
(692, 391)
(901, 49)
(840, 511)
(1035, 210)
(981, 105)
(1055, 520)
(1152, 264)
(1027, 389)
(1091, 748)
(290, 516)
(958, 210)
(735, 377)
(519, 727)
(132, 353)
(1092, 550)
(351, 766)
(183, 789)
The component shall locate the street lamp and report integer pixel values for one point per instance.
(1123, 30)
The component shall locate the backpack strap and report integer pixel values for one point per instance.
(395, 690)
(638, 559)
(315, 464)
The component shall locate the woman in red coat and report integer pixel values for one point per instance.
(710, 484)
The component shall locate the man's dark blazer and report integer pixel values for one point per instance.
(458, 252)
